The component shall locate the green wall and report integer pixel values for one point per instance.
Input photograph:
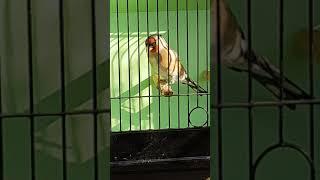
(174, 28)
(174, 5)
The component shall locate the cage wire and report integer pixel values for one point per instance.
(136, 102)
(53, 96)
(258, 154)
(137, 105)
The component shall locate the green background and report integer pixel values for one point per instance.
(173, 26)
(265, 38)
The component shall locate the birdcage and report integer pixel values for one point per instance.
(139, 110)
(136, 103)
(257, 136)
(54, 90)
(78, 99)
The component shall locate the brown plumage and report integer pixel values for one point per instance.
(236, 56)
(166, 66)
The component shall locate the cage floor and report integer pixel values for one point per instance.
(176, 175)
(163, 154)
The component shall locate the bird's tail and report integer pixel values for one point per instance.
(195, 86)
(269, 77)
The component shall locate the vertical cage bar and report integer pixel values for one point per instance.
(188, 89)
(168, 31)
(207, 59)
(31, 98)
(106, 155)
(311, 77)
(197, 27)
(281, 31)
(219, 85)
(149, 89)
(129, 65)
(250, 115)
(159, 97)
(178, 63)
(119, 67)
(311, 84)
(1, 134)
(63, 97)
(94, 88)
(138, 28)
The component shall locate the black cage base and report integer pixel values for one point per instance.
(161, 154)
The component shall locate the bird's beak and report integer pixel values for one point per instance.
(150, 47)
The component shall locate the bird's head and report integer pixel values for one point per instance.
(155, 43)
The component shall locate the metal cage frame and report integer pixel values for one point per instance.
(219, 105)
(95, 17)
(216, 106)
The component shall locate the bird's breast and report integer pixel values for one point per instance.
(158, 68)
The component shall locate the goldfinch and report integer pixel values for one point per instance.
(166, 68)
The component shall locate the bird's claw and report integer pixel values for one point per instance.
(167, 93)
(166, 90)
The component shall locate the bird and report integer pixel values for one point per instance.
(166, 67)
(235, 55)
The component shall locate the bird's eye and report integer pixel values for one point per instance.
(154, 43)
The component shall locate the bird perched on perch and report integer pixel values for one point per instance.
(166, 68)
(236, 55)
